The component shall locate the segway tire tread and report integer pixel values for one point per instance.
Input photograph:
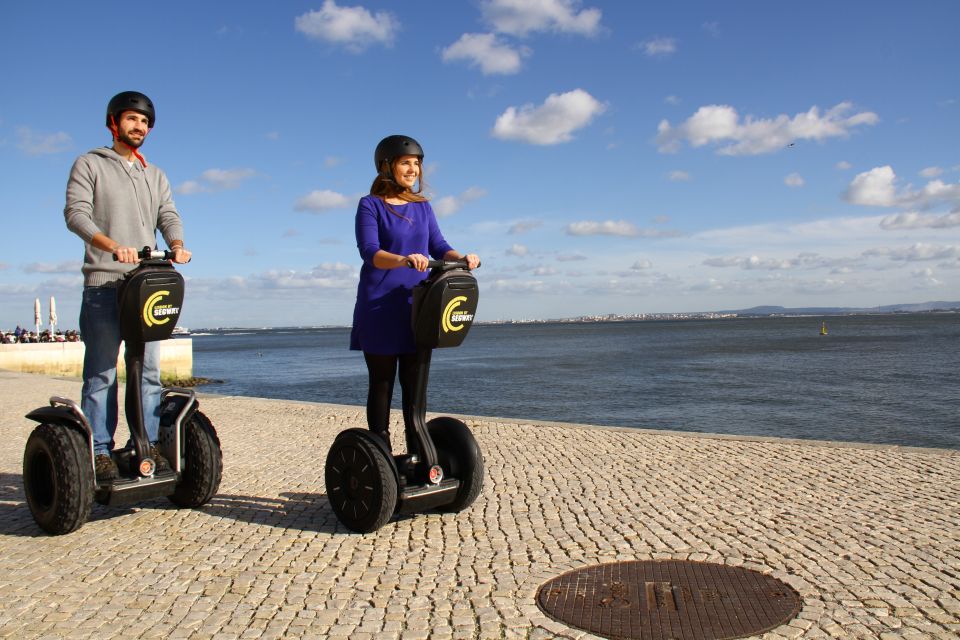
(351, 462)
(58, 478)
(460, 455)
(202, 464)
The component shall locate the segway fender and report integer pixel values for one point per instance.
(64, 416)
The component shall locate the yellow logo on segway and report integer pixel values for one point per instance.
(155, 313)
(451, 315)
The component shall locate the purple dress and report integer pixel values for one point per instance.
(381, 317)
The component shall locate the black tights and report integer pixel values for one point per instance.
(383, 371)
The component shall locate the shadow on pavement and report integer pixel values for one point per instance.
(305, 511)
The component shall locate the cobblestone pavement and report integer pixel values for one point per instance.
(869, 536)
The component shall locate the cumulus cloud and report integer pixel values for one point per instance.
(915, 220)
(720, 125)
(69, 266)
(622, 228)
(523, 226)
(808, 260)
(518, 250)
(321, 200)
(843, 165)
(521, 17)
(931, 172)
(658, 47)
(918, 252)
(679, 176)
(641, 265)
(449, 205)
(352, 27)
(488, 52)
(794, 180)
(552, 122)
(34, 143)
(213, 180)
(878, 188)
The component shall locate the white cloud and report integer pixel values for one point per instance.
(914, 220)
(606, 228)
(551, 123)
(449, 205)
(931, 172)
(321, 200)
(70, 266)
(518, 250)
(641, 265)
(353, 27)
(34, 143)
(659, 47)
(571, 257)
(545, 271)
(672, 100)
(486, 51)
(216, 180)
(679, 176)
(878, 188)
(843, 165)
(523, 226)
(918, 252)
(720, 125)
(521, 17)
(794, 180)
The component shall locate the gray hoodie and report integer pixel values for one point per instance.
(105, 194)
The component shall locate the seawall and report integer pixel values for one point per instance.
(66, 358)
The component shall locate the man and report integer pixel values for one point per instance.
(116, 203)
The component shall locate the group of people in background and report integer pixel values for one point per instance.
(24, 336)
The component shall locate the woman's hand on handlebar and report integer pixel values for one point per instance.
(418, 261)
(473, 260)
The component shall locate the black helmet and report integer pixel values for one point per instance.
(131, 101)
(395, 146)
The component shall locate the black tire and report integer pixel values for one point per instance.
(361, 484)
(58, 478)
(202, 467)
(460, 457)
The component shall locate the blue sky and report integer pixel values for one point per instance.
(601, 157)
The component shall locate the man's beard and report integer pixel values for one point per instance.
(125, 139)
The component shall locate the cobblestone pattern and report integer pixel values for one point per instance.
(869, 536)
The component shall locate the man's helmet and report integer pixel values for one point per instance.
(130, 101)
(395, 146)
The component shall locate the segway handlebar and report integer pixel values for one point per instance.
(152, 254)
(445, 265)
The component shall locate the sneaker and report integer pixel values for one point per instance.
(162, 463)
(106, 468)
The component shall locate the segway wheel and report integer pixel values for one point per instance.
(361, 484)
(58, 478)
(460, 457)
(202, 464)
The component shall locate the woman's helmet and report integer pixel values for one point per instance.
(130, 101)
(395, 146)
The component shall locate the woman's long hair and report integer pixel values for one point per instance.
(384, 186)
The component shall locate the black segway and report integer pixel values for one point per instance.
(59, 476)
(443, 466)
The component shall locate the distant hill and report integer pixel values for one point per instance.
(768, 310)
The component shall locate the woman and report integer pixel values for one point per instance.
(396, 230)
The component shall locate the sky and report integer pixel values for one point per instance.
(600, 157)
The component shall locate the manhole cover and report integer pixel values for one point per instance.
(668, 600)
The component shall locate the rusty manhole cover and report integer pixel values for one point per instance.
(669, 600)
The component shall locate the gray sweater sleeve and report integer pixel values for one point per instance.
(168, 219)
(78, 211)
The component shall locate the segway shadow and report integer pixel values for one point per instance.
(443, 467)
(59, 473)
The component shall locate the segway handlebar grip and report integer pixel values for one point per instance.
(445, 265)
(152, 254)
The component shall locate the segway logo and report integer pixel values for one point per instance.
(155, 313)
(454, 318)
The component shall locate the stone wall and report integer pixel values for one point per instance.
(66, 358)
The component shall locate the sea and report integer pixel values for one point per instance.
(881, 379)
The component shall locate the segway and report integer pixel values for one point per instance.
(59, 476)
(443, 466)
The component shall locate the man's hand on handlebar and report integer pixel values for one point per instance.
(126, 254)
(181, 255)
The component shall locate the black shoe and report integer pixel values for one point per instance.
(162, 463)
(106, 468)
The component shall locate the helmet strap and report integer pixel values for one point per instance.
(116, 138)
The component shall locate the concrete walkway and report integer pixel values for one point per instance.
(869, 535)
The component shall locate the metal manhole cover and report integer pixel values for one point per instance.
(669, 600)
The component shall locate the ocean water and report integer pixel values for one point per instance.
(884, 379)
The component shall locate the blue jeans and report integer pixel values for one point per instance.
(100, 329)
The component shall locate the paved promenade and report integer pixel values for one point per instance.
(868, 535)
